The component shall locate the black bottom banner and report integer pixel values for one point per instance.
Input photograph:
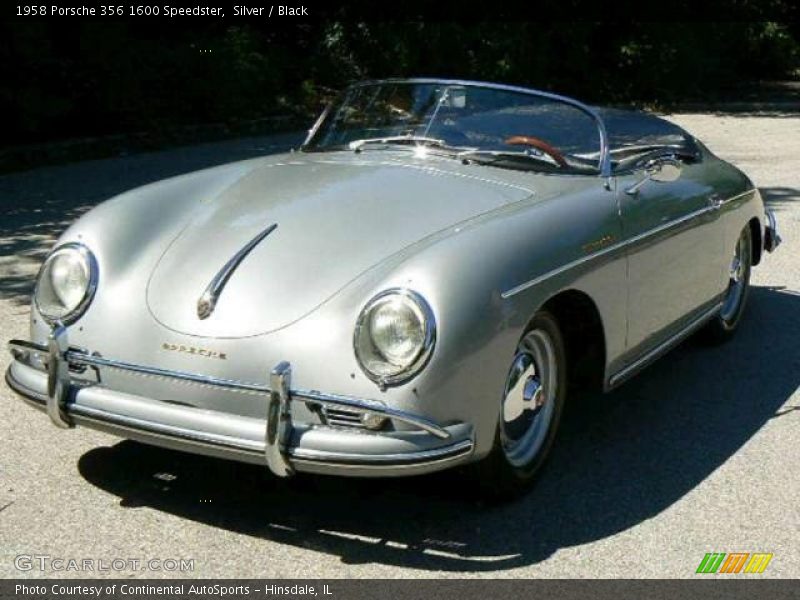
(381, 589)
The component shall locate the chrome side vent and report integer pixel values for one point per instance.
(339, 417)
(359, 419)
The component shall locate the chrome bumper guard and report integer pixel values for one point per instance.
(771, 238)
(60, 358)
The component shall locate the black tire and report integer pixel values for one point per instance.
(723, 326)
(496, 476)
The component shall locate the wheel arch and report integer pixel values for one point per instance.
(758, 242)
(584, 337)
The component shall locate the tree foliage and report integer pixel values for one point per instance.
(115, 77)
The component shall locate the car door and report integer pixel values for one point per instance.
(674, 244)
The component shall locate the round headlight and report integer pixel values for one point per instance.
(394, 336)
(66, 283)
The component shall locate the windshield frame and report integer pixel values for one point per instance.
(604, 160)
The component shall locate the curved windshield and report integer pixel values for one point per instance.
(471, 122)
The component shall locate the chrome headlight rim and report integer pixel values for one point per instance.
(87, 256)
(426, 349)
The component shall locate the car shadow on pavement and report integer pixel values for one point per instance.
(620, 459)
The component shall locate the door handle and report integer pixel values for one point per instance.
(715, 201)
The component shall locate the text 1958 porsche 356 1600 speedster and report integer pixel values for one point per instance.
(416, 288)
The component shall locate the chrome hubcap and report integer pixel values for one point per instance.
(736, 283)
(529, 399)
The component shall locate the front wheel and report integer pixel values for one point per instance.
(724, 325)
(530, 411)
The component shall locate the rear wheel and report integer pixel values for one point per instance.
(724, 325)
(532, 403)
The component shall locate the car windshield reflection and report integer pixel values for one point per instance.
(480, 123)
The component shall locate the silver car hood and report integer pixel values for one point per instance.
(336, 217)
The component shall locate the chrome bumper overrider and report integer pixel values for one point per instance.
(771, 238)
(283, 446)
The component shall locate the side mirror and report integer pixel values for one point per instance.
(666, 170)
(660, 170)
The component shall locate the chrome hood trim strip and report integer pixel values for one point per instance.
(208, 301)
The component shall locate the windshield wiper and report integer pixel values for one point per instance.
(356, 145)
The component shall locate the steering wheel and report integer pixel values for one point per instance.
(539, 144)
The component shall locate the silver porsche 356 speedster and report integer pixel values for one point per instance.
(419, 286)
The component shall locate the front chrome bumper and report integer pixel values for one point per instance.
(283, 445)
(771, 238)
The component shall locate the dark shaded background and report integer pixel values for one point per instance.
(95, 77)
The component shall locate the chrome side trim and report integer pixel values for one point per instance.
(208, 301)
(737, 196)
(649, 356)
(624, 244)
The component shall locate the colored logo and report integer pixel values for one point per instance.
(734, 562)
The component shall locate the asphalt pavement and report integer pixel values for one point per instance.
(697, 454)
